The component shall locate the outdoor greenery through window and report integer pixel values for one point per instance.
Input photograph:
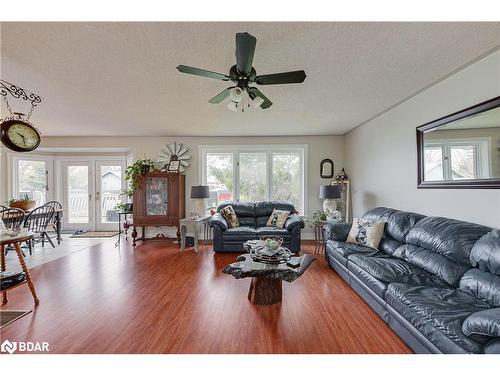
(32, 180)
(254, 174)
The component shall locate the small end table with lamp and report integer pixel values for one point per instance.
(199, 193)
(330, 194)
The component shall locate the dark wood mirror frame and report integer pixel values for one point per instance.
(493, 183)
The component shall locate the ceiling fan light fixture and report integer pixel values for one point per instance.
(232, 106)
(257, 102)
(236, 94)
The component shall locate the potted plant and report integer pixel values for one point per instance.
(25, 203)
(134, 172)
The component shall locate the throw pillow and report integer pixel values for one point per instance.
(230, 216)
(368, 233)
(277, 218)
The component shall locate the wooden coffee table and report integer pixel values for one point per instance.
(266, 284)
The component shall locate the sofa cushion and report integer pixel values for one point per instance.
(242, 209)
(240, 233)
(398, 224)
(277, 218)
(483, 325)
(485, 253)
(368, 233)
(439, 265)
(492, 347)
(230, 216)
(448, 237)
(482, 285)
(393, 270)
(389, 245)
(375, 285)
(438, 313)
(272, 231)
(341, 250)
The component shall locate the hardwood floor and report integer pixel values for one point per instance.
(155, 299)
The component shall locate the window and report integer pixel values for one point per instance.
(31, 177)
(456, 160)
(249, 173)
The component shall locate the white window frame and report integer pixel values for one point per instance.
(12, 173)
(483, 156)
(301, 149)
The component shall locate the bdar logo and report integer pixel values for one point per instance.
(9, 347)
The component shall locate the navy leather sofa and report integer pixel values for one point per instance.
(253, 217)
(435, 281)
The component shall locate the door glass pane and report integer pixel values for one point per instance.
(253, 179)
(78, 194)
(156, 196)
(111, 186)
(32, 180)
(286, 178)
(220, 177)
(463, 165)
(433, 161)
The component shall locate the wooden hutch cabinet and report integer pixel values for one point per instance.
(159, 201)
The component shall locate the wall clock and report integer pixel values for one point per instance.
(174, 152)
(19, 135)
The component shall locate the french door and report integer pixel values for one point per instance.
(91, 190)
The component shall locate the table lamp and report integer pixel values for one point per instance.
(198, 194)
(330, 193)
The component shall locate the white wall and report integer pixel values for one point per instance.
(319, 148)
(381, 155)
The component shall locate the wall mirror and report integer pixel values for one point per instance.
(461, 150)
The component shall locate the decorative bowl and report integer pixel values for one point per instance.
(272, 242)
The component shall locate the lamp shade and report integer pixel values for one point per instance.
(329, 192)
(200, 192)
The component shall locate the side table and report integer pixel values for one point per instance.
(184, 223)
(120, 214)
(319, 235)
(5, 240)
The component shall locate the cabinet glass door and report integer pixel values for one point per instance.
(156, 196)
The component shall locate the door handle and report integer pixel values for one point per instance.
(90, 197)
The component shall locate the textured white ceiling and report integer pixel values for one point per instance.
(120, 78)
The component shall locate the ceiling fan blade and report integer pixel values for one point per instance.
(254, 91)
(245, 48)
(202, 72)
(220, 97)
(297, 76)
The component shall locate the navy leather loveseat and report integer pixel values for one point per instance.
(253, 217)
(435, 281)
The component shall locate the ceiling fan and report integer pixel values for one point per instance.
(243, 74)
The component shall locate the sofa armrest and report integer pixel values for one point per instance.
(337, 231)
(292, 221)
(483, 325)
(218, 220)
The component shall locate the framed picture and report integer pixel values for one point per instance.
(326, 168)
(174, 166)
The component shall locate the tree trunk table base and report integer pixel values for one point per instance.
(266, 284)
(265, 291)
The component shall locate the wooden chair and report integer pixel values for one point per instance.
(13, 219)
(57, 206)
(37, 222)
